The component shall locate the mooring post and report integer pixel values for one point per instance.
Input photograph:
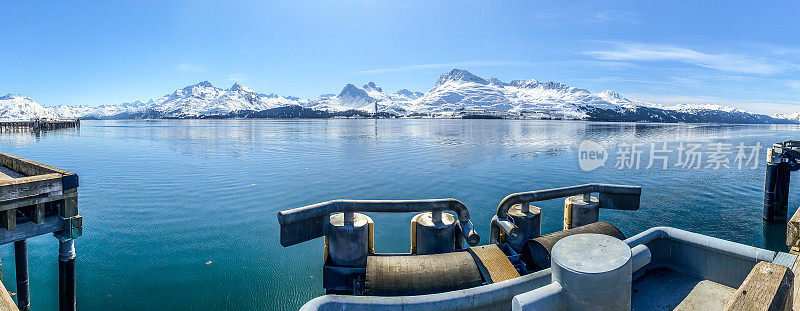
(21, 262)
(776, 189)
(66, 275)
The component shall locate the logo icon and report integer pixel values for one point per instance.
(591, 155)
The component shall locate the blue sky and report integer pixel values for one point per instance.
(744, 54)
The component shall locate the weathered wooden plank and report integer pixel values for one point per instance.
(70, 206)
(6, 303)
(27, 230)
(28, 167)
(11, 173)
(22, 202)
(8, 219)
(767, 288)
(30, 186)
(795, 299)
(34, 212)
(793, 230)
(23, 165)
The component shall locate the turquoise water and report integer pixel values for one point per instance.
(181, 214)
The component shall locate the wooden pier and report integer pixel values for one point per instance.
(38, 125)
(38, 199)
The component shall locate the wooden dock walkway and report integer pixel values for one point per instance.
(38, 199)
(38, 125)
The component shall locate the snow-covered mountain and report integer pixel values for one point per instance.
(364, 99)
(194, 101)
(457, 93)
(788, 116)
(461, 90)
(203, 99)
(18, 107)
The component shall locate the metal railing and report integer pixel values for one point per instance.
(620, 197)
(308, 222)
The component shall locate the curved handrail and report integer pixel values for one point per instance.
(308, 222)
(620, 197)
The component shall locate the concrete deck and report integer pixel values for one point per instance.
(665, 289)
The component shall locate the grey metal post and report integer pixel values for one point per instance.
(66, 275)
(21, 263)
(594, 271)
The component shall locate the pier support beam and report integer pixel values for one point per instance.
(66, 275)
(21, 262)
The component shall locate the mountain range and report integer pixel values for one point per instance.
(456, 94)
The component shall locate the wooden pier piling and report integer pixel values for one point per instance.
(38, 199)
(38, 125)
(66, 275)
(21, 263)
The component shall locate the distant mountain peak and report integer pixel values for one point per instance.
(349, 89)
(17, 97)
(203, 84)
(197, 86)
(525, 83)
(495, 81)
(16, 106)
(238, 87)
(611, 94)
(13, 95)
(409, 94)
(372, 86)
(459, 75)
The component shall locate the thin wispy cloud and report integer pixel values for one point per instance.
(616, 17)
(795, 84)
(238, 77)
(492, 63)
(447, 65)
(589, 18)
(729, 62)
(189, 67)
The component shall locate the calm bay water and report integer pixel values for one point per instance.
(181, 214)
